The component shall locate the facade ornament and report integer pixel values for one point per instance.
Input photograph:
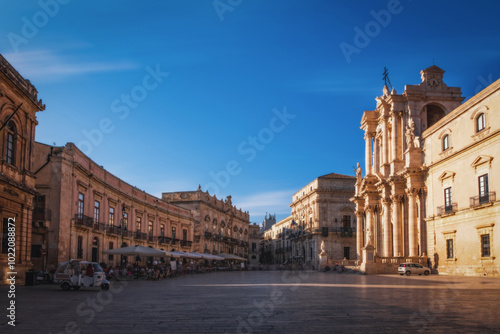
(410, 133)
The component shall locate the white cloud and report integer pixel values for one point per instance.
(45, 65)
(267, 202)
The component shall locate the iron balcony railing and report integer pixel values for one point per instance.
(446, 209)
(483, 199)
(82, 220)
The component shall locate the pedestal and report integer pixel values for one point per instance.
(368, 264)
(323, 258)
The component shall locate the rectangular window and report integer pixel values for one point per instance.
(111, 216)
(138, 224)
(9, 154)
(81, 202)
(254, 246)
(448, 207)
(150, 228)
(449, 249)
(97, 211)
(110, 256)
(79, 254)
(173, 232)
(39, 208)
(485, 245)
(346, 221)
(162, 230)
(483, 189)
(184, 234)
(125, 221)
(5, 236)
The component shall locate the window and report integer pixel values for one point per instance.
(480, 122)
(162, 230)
(173, 232)
(79, 254)
(111, 216)
(485, 245)
(346, 221)
(254, 246)
(110, 256)
(81, 201)
(448, 207)
(446, 142)
(483, 189)
(150, 228)
(5, 236)
(138, 225)
(449, 249)
(39, 208)
(184, 234)
(125, 220)
(97, 210)
(10, 148)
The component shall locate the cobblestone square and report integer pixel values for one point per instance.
(264, 302)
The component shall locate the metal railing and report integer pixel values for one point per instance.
(483, 199)
(446, 209)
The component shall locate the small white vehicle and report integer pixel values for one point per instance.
(413, 268)
(76, 274)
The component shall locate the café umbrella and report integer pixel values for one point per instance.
(137, 251)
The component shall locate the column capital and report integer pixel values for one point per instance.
(396, 198)
(359, 212)
(386, 200)
(369, 135)
(413, 191)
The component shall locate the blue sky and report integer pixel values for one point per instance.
(253, 99)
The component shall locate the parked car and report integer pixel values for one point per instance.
(413, 268)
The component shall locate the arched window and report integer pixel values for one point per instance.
(10, 149)
(480, 122)
(446, 142)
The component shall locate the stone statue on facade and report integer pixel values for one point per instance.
(410, 133)
(359, 178)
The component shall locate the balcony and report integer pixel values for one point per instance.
(98, 227)
(164, 240)
(447, 209)
(140, 236)
(83, 221)
(481, 200)
(186, 243)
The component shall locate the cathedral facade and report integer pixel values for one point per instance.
(401, 200)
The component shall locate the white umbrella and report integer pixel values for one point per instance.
(136, 250)
(232, 257)
(211, 257)
(186, 255)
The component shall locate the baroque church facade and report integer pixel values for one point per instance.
(427, 181)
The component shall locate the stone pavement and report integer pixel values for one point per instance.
(263, 302)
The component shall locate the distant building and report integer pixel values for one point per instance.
(269, 221)
(19, 104)
(321, 212)
(254, 237)
(219, 227)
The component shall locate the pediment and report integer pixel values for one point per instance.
(446, 175)
(481, 160)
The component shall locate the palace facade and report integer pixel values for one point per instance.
(427, 183)
(219, 227)
(91, 210)
(321, 213)
(19, 104)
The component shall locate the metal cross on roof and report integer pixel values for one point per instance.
(386, 78)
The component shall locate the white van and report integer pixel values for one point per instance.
(76, 274)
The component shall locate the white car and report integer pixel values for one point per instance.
(413, 268)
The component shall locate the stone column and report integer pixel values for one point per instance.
(412, 224)
(396, 225)
(376, 155)
(385, 142)
(368, 153)
(369, 227)
(386, 222)
(359, 233)
(394, 142)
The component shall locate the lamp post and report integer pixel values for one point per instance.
(123, 227)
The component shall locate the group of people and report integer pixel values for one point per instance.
(159, 270)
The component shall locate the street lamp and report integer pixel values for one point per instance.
(123, 227)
